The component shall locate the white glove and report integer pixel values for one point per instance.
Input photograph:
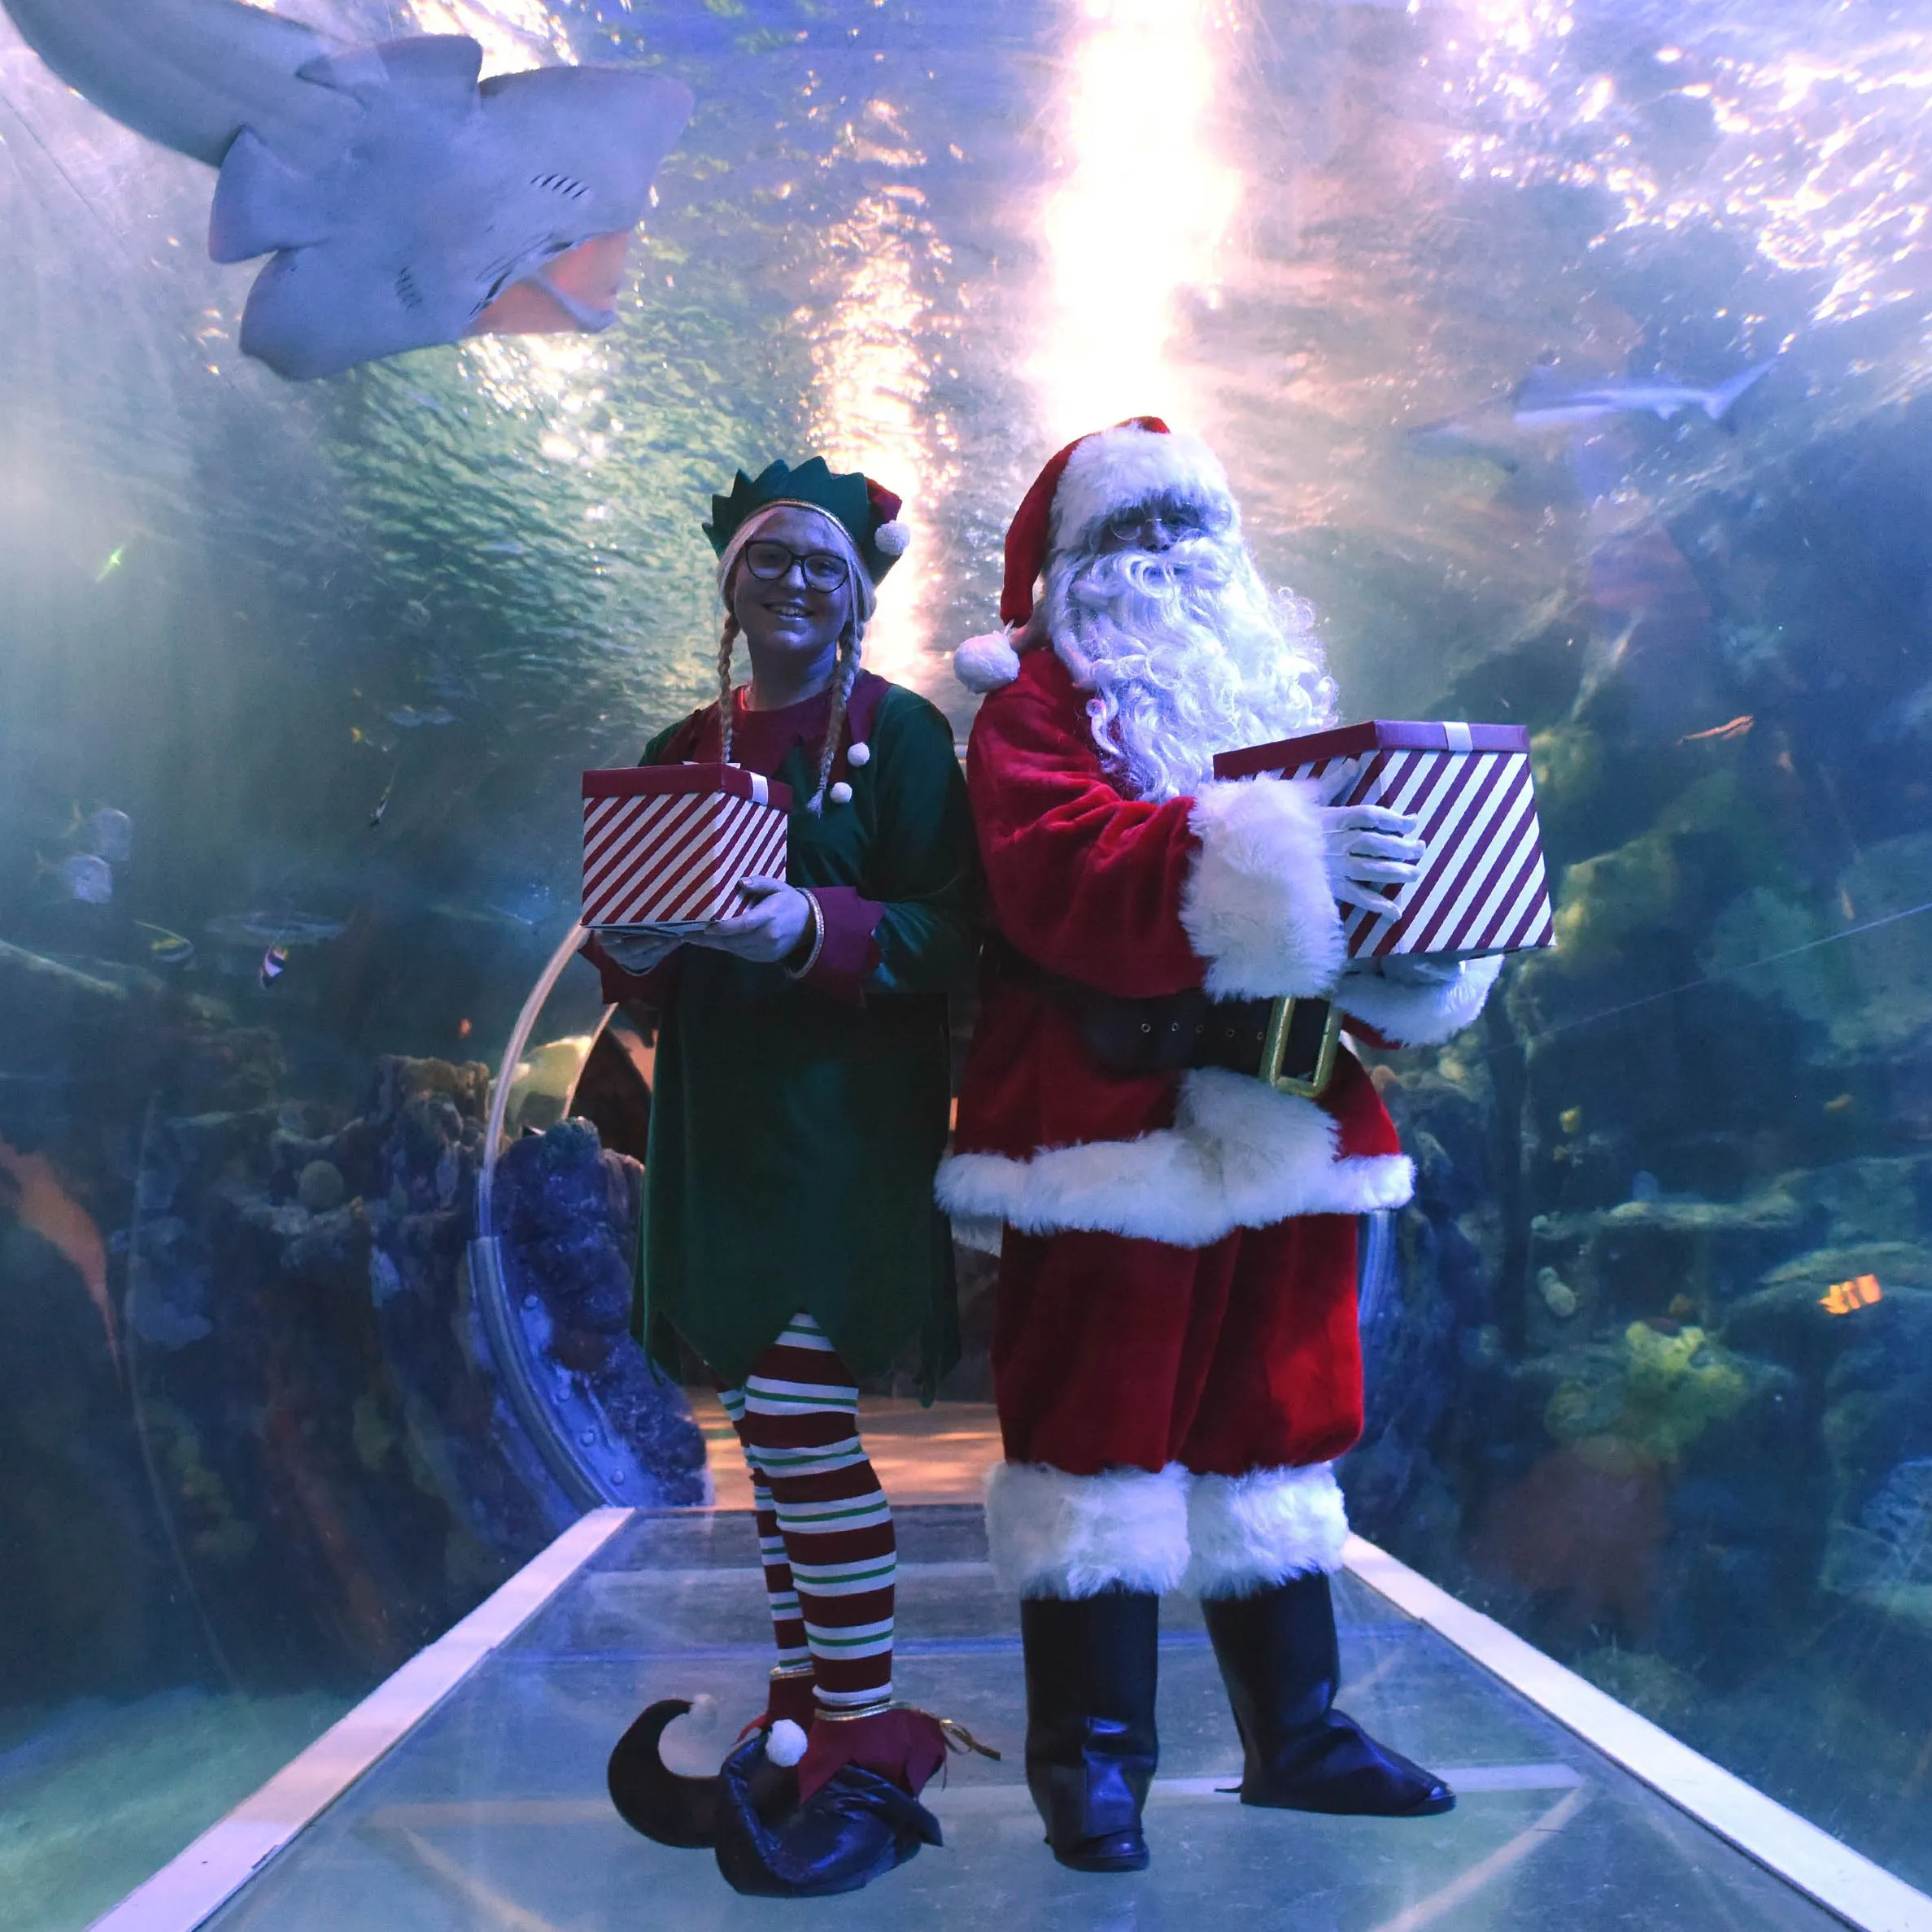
(1367, 846)
(638, 952)
(1415, 969)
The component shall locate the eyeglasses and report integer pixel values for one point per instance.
(769, 560)
(1132, 528)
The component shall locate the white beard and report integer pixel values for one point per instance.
(1186, 654)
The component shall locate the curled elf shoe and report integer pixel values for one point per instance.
(673, 1809)
(856, 1815)
(663, 1804)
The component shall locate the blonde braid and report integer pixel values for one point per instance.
(724, 685)
(843, 680)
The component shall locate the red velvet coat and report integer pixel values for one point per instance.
(1226, 890)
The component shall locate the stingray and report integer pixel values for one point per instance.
(403, 204)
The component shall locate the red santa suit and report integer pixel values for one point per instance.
(1175, 1354)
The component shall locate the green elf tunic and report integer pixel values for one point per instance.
(796, 1123)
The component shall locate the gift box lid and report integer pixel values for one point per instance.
(1372, 735)
(658, 780)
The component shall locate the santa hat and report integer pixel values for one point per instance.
(1095, 478)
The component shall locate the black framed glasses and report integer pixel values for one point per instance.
(768, 560)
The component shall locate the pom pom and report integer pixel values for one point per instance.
(890, 539)
(784, 1743)
(858, 754)
(986, 663)
(840, 794)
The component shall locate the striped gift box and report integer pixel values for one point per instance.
(665, 846)
(1482, 887)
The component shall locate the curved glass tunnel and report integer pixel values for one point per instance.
(310, 671)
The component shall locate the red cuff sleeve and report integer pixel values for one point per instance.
(620, 987)
(849, 951)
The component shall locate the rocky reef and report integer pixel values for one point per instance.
(253, 1433)
(1655, 1382)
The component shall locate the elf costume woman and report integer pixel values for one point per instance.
(800, 1110)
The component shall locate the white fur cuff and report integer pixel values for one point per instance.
(1250, 1533)
(1419, 1014)
(1056, 1535)
(1257, 905)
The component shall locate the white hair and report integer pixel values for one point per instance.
(1185, 652)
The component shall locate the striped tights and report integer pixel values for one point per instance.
(825, 1530)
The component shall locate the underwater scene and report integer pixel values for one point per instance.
(1571, 358)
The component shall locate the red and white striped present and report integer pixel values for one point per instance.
(665, 846)
(1482, 887)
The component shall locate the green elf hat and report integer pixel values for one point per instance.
(867, 511)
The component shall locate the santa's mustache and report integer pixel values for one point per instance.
(1198, 565)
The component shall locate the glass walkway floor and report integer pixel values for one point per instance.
(489, 1811)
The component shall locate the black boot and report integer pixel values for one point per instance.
(1280, 1663)
(1091, 1744)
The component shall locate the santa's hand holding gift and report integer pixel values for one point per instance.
(1175, 1353)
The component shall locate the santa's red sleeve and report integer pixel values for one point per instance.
(1225, 890)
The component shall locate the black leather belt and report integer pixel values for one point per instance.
(1288, 1043)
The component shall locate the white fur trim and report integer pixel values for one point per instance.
(1118, 469)
(1238, 1155)
(1052, 1534)
(1419, 1014)
(891, 540)
(1257, 905)
(986, 663)
(1249, 1532)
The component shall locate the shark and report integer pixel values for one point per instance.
(403, 201)
(1543, 402)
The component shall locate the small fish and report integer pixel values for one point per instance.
(115, 558)
(276, 929)
(1543, 401)
(503, 546)
(43, 1205)
(167, 948)
(1570, 1119)
(274, 963)
(410, 719)
(1736, 727)
(1681, 1308)
(382, 803)
(463, 1029)
(108, 834)
(82, 876)
(1847, 1297)
(1843, 1104)
(355, 735)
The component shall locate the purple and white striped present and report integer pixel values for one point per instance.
(665, 846)
(1482, 887)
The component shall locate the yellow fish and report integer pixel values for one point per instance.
(1570, 1119)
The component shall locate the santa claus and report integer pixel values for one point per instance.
(1176, 1355)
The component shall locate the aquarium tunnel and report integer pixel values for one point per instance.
(1571, 361)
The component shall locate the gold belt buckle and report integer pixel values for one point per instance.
(1281, 1020)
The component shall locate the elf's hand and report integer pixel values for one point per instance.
(768, 930)
(638, 952)
(1365, 847)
